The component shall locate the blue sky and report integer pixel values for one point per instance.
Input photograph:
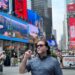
(58, 10)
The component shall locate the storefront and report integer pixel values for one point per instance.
(13, 36)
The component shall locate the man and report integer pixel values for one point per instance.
(2, 57)
(42, 64)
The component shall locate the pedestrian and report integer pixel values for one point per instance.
(42, 64)
(2, 58)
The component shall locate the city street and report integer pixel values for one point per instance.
(38, 30)
(14, 71)
(68, 71)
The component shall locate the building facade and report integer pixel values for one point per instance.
(65, 33)
(70, 10)
(44, 9)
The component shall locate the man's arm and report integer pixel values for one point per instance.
(22, 68)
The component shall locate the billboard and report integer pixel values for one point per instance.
(33, 31)
(71, 7)
(71, 32)
(12, 28)
(4, 5)
(33, 17)
(69, 61)
(21, 9)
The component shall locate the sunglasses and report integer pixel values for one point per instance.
(41, 45)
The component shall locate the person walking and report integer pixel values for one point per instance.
(2, 58)
(43, 63)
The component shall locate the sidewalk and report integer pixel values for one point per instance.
(12, 70)
(68, 67)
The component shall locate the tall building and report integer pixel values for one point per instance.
(65, 34)
(70, 7)
(62, 43)
(44, 9)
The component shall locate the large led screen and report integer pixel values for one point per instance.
(4, 5)
(72, 32)
(12, 28)
(33, 31)
(71, 7)
(21, 9)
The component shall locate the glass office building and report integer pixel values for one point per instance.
(44, 9)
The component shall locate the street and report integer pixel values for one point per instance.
(68, 71)
(12, 71)
(15, 71)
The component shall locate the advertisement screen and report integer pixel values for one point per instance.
(21, 9)
(69, 61)
(33, 31)
(72, 32)
(71, 7)
(4, 5)
(12, 28)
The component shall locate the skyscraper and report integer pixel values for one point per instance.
(44, 9)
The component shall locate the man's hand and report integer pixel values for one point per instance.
(28, 54)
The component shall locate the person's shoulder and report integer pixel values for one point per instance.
(33, 59)
(53, 58)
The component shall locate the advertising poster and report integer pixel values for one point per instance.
(71, 7)
(12, 28)
(33, 31)
(21, 9)
(4, 5)
(69, 61)
(72, 33)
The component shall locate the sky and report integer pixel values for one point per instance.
(58, 11)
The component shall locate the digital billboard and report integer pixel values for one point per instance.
(71, 32)
(71, 7)
(4, 5)
(21, 9)
(33, 31)
(10, 27)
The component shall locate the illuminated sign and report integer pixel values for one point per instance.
(71, 7)
(69, 61)
(33, 31)
(71, 32)
(4, 5)
(13, 28)
(21, 9)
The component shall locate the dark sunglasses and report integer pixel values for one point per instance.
(41, 45)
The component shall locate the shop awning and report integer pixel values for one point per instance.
(14, 39)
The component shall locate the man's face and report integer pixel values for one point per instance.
(41, 48)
